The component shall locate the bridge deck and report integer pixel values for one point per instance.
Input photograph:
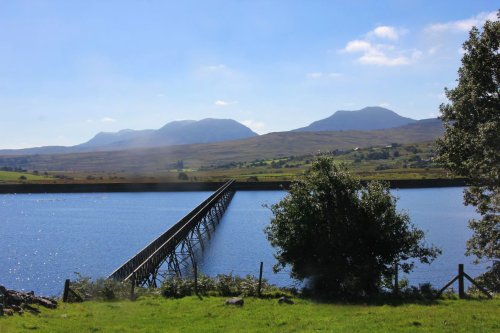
(148, 260)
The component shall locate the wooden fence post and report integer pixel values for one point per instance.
(396, 280)
(260, 278)
(132, 287)
(66, 290)
(461, 290)
(195, 267)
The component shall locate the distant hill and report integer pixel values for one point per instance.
(366, 119)
(107, 138)
(174, 133)
(267, 146)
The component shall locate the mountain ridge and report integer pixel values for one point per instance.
(206, 130)
(211, 130)
(265, 146)
(366, 119)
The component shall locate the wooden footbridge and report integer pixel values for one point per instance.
(173, 253)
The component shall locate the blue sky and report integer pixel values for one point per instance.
(70, 69)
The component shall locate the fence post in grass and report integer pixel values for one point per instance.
(66, 290)
(195, 268)
(461, 291)
(132, 287)
(396, 280)
(260, 278)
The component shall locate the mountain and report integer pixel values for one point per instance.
(266, 146)
(106, 138)
(174, 133)
(221, 130)
(203, 131)
(367, 119)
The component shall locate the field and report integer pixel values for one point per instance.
(395, 161)
(190, 314)
(160, 160)
(17, 177)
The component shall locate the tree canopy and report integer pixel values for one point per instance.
(471, 143)
(344, 238)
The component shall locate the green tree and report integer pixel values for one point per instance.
(471, 143)
(182, 176)
(343, 237)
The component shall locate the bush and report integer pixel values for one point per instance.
(381, 167)
(221, 285)
(183, 176)
(490, 279)
(100, 289)
(344, 238)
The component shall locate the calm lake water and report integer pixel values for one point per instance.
(45, 238)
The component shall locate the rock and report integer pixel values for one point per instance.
(285, 300)
(46, 302)
(12, 301)
(238, 301)
(17, 308)
(14, 298)
(31, 309)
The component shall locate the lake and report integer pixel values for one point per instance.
(45, 238)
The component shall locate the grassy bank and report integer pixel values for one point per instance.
(190, 314)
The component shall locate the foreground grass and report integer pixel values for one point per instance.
(157, 314)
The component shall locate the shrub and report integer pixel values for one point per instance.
(221, 285)
(344, 238)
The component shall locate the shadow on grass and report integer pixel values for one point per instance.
(391, 300)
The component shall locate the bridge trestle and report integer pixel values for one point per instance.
(175, 253)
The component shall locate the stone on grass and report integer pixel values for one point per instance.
(285, 300)
(235, 301)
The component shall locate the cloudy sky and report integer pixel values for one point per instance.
(70, 69)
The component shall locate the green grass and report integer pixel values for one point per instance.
(10, 176)
(191, 314)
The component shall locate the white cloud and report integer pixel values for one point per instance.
(377, 57)
(223, 103)
(462, 25)
(255, 126)
(357, 46)
(380, 54)
(320, 75)
(386, 32)
(108, 120)
(384, 104)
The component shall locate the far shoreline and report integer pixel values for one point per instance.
(201, 186)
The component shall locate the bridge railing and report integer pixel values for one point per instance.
(169, 239)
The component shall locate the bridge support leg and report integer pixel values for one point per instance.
(169, 254)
